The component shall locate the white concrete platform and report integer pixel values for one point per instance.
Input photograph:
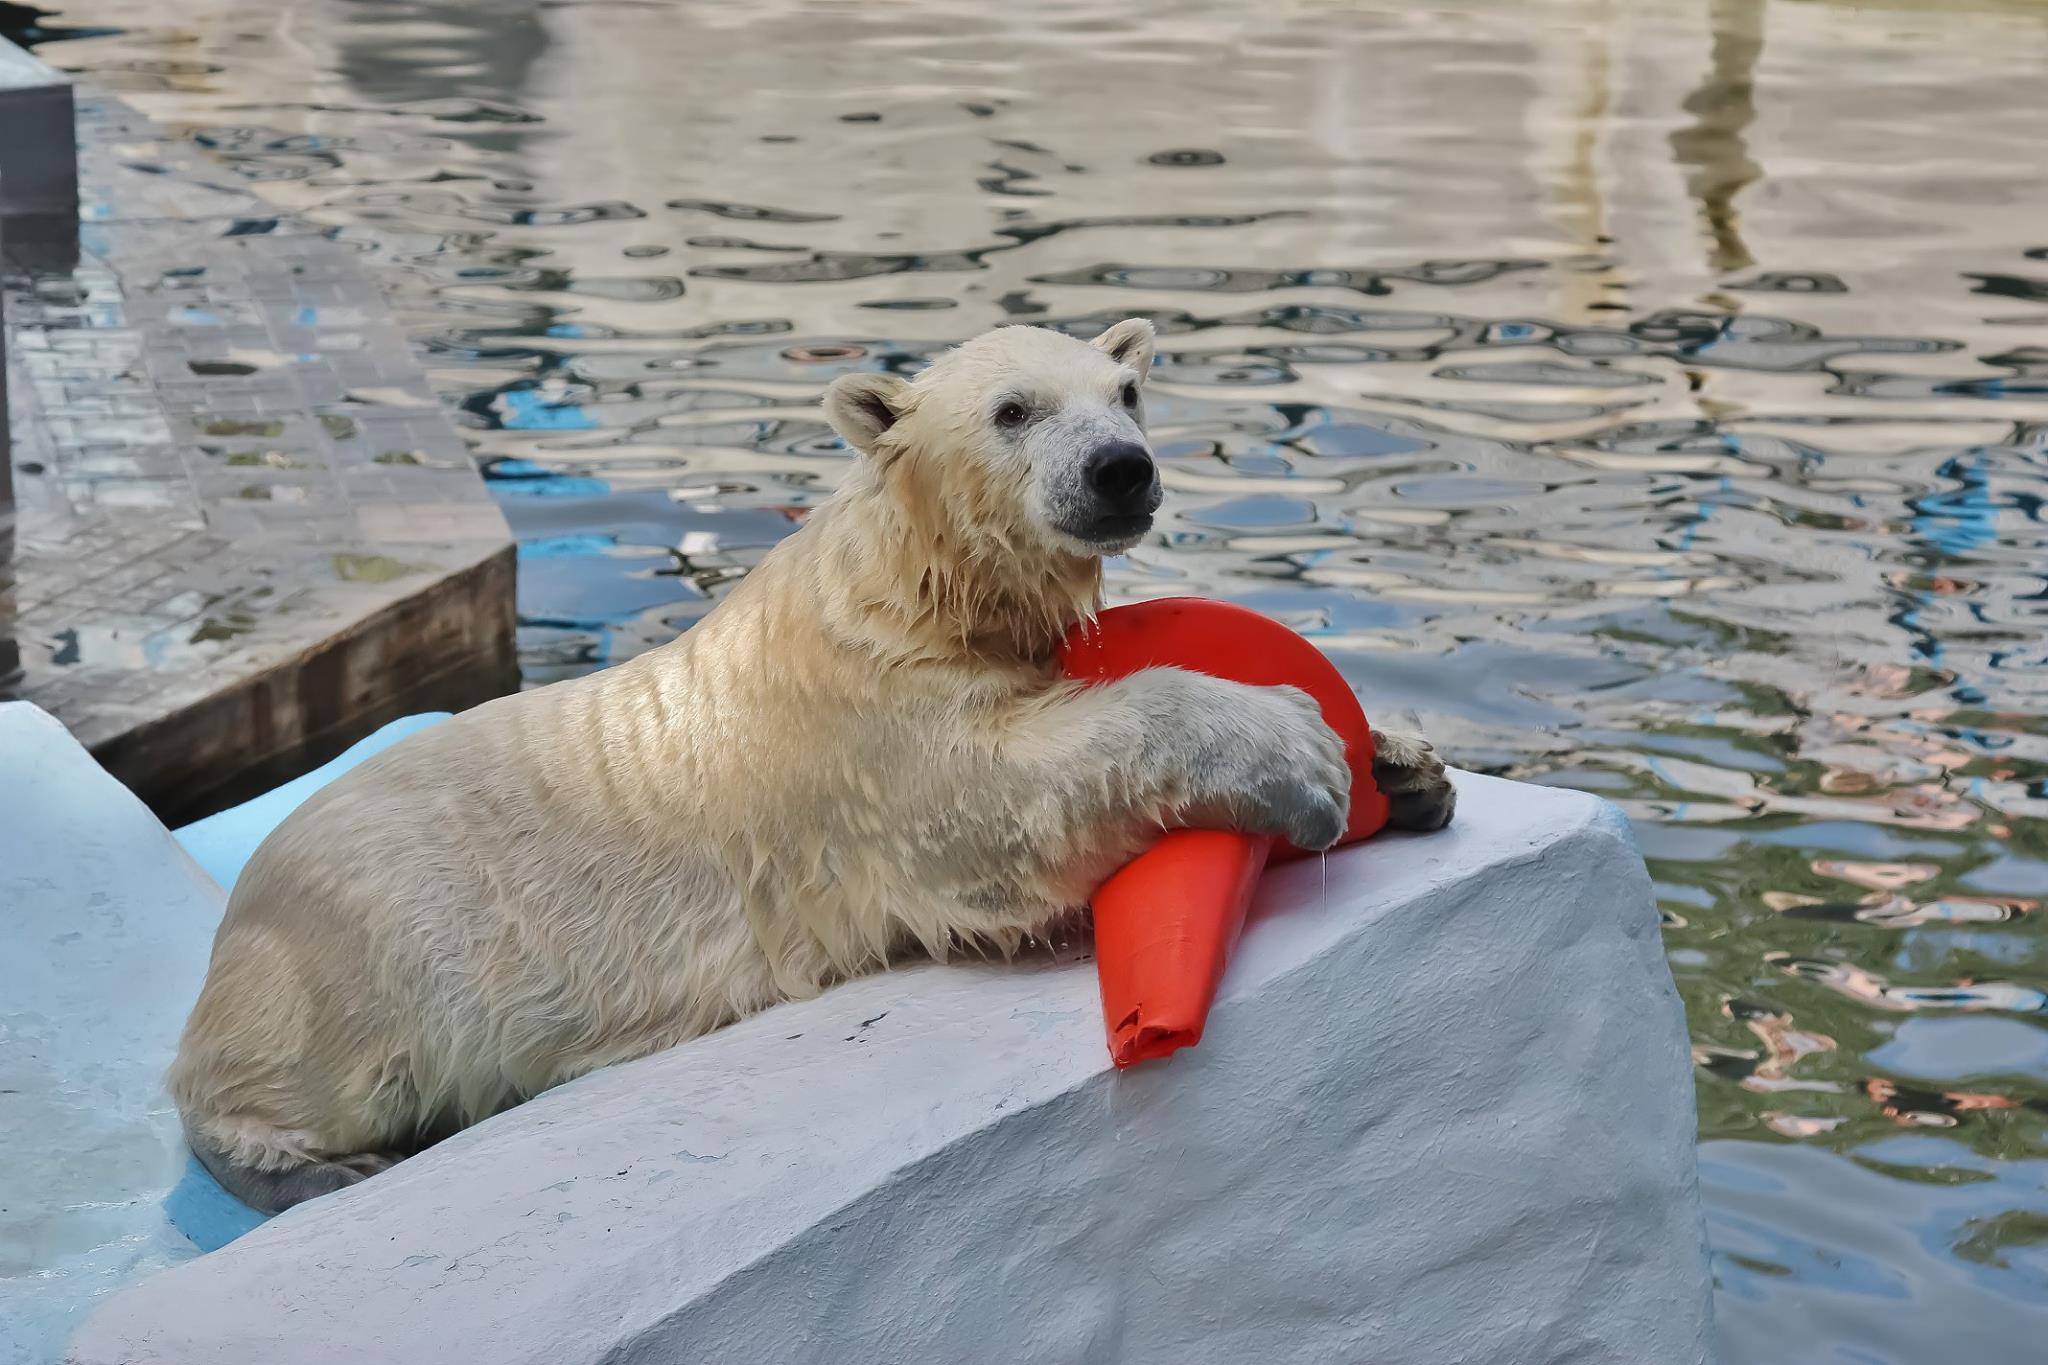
(105, 927)
(1443, 1113)
(106, 921)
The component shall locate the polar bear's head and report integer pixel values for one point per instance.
(1022, 434)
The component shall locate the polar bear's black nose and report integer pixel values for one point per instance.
(1121, 475)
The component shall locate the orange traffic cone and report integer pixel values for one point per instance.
(1166, 923)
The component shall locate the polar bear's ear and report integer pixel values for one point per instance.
(861, 407)
(1130, 343)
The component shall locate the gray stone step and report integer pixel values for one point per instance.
(247, 531)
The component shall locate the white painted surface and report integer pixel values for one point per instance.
(105, 926)
(1445, 1115)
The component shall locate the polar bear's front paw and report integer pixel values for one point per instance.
(1306, 814)
(1300, 785)
(1412, 778)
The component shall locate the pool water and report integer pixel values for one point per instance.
(1649, 398)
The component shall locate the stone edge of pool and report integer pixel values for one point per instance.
(246, 531)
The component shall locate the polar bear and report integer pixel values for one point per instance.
(864, 752)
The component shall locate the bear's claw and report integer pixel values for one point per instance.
(1418, 789)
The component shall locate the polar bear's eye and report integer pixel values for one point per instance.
(1011, 414)
(1130, 395)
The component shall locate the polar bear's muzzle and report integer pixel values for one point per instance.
(1120, 492)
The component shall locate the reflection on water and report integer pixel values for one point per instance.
(1651, 397)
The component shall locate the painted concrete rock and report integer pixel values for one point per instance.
(107, 926)
(1443, 1112)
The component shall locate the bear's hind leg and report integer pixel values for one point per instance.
(293, 1181)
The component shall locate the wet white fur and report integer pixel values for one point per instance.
(863, 752)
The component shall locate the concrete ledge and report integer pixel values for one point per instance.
(1443, 1113)
(39, 151)
(249, 532)
(199, 744)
